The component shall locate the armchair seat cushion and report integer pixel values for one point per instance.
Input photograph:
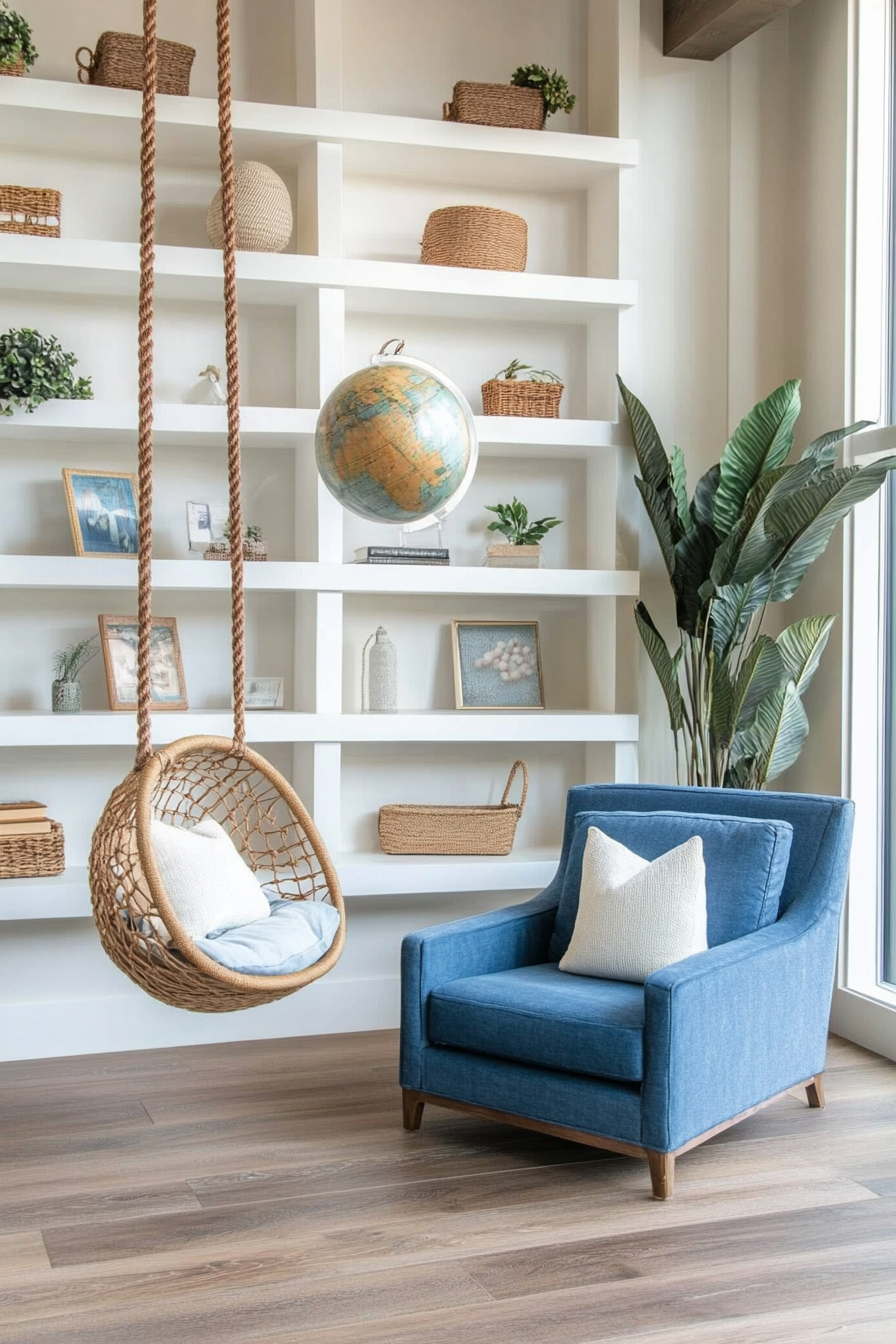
(539, 1015)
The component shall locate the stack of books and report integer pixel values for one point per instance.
(23, 819)
(401, 555)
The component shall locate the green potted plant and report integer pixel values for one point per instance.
(538, 393)
(254, 547)
(553, 87)
(533, 94)
(746, 539)
(67, 665)
(524, 537)
(17, 50)
(35, 368)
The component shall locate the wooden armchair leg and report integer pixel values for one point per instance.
(662, 1174)
(412, 1108)
(815, 1091)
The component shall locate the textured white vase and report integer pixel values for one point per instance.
(382, 674)
(263, 210)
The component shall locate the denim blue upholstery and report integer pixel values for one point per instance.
(723, 1030)
(745, 857)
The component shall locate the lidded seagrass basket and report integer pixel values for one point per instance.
(33, 855)
(117, 63)
(496, 105)
(416, 828)
(477, 236)
(36, 211)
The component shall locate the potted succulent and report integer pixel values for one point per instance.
(254, 547)
(524, 537)
(67, 664)
(537, 393)
(17, 50)
(35, 368)
(533, 94)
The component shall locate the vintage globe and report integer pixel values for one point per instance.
(396, 442)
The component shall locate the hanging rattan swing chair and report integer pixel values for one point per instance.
(197, 777)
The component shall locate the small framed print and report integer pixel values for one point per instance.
(497, 665)
(118, 636)
(264, 692)
(205, 524)
(102, 510)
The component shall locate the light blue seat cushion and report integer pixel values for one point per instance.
(296, 935)
(539, 1015)
(746, 863)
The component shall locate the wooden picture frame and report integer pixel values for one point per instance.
(118, 637)
(102, 512)
(497, 665)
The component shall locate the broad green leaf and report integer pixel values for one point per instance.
(802, 645)
(762, 441)
(694, 554)
(658, 513)
(823, 450)
(722, 717)
(732, 608)
(705, 494)
(679, 477)
(775, 738)
(728, 555)
(649, 448)
(762, 671)
(760, 547)
(664, 665)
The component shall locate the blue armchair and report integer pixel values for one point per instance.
(490, 1025)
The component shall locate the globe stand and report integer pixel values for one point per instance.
(405, 532)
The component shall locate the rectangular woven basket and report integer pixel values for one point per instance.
(521, 396)
(117, 63)
(496, 105)
(33, 855)
(415, 828)
(30, 210)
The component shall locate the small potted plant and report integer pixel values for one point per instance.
(17, 50)
(35, 368)
(524, 537)
(537, 393)
(254, 547)
(67, 664)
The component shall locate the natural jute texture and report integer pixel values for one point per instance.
(252, 550)
(16, 67)
(413, 828)
(30, 210)
(263, 211)
(33, 855)
(118, 62)
(496, 105)
(475, 235)
(197, 777)
(521, 396)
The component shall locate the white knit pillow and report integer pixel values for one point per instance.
(208, 884)
(634, 916)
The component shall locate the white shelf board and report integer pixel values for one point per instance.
(68, 895)
(67, 572)
(88, 266)
(283, 427)
(38, 729)
(50, 115)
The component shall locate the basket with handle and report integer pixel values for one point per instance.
(417, 828)
(496, 105)
(33, 855)
(36, 211)
(118, 63)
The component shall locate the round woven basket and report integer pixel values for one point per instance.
(496, 105)
(477, 236)
(521, 396)
(30, 210)
(14, 68)
(263, 211)
(117, 63)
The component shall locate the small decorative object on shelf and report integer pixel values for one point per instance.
(67, 664)
(412, 828)
(254, 547)
(552, 86)
(476, 236)
(17, 50)
(208, 391)
(102, 510)
(263, 211)
(206, 524)
(538, 393)
(379, 674)
(118, 635)
(31, 845)
(35, 368)
(402, 555)
(118, 63)
(523, 547)
(36, 211)
(497, 665)
(264, 692)
(532, 95)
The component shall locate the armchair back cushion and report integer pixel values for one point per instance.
(746, 864)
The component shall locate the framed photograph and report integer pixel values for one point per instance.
(118, 636)
(264, 692)
(205, 524)
(102, 510)
(497, 665)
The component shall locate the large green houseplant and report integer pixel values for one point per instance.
(754, 527)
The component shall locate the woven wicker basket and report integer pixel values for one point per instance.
(30, 210)
(412, 828)
(252, 550)
(16, 68)
(118, 63)
(477, 236)
(263, 210)
(521, 396)
(496, 105)
(33, 855)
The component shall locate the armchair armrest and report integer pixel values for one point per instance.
(498, 940)
(726, 1029)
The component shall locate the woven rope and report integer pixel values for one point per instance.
(29, 210)
(413, 828)
(521, 396)
(475, 235)
(118, 63)
(33, 855)
(496, 105)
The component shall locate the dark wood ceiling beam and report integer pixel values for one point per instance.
(704, 29)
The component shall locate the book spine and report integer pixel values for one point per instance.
(430, 553)
(394, 560)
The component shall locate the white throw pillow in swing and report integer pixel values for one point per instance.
(207, 882)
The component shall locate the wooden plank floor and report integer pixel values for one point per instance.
(266, 1192)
